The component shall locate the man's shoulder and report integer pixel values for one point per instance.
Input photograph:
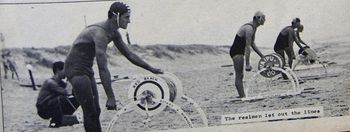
(49, 82)
(287, 30)
(247, 28)
(99, 26)
(101, 30)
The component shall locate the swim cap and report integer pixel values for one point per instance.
(118, 8)
(295, 20)
(259, 17)
(57, 66)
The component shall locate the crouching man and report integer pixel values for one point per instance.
(54, 102)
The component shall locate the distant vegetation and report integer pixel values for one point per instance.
(46, 56)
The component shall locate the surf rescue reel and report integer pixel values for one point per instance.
(269, 67)
(308, 57)
(152, 94)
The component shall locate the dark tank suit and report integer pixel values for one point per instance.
(238, 46)
(81, 57)
(281, 42)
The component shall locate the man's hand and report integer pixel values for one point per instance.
(248, 68)
(157, 71)
(111, 104)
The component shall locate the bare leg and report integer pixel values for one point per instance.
(85, 93)
(17, 75)
(95, 93)
(281, 52)
(5, 70)
(291, 56)
(238, 62)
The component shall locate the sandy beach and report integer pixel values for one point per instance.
(206, 77)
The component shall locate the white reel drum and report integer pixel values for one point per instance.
(309, 59)
(151, 94)
(166, 87)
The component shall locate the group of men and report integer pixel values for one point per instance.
(92, 43)
(245, 39)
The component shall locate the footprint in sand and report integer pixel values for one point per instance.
(285, 97)
(236, 101)
(311, 104)
(315, 92)
(341, 106)
(317, 98)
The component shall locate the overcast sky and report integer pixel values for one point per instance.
(173, 21)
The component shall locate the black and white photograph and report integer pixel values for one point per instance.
(174, 65)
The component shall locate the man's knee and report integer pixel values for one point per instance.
(44, 114)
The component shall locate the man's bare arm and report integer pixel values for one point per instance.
(133, 58)
(247, 46)
(54, 87)
(295, 39)
(101, 42)
(250, 42)
(255, 48)
(105, 75)
(301, 41)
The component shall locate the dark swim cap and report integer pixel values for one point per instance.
(295, 20)
(118, 8)
(57, 66)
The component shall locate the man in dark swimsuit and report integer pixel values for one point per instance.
(5, 65)
(12, 68)
(54, 102)
(284, 43)
(92, 42)
(244, 39)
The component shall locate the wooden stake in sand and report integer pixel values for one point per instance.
(29, 67)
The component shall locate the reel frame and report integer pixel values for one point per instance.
(270, 66)
(151, 94)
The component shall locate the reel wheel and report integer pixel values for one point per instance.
(269, 62)
(146, 88)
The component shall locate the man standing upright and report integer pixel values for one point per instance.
(92, 42)
(241, 46)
